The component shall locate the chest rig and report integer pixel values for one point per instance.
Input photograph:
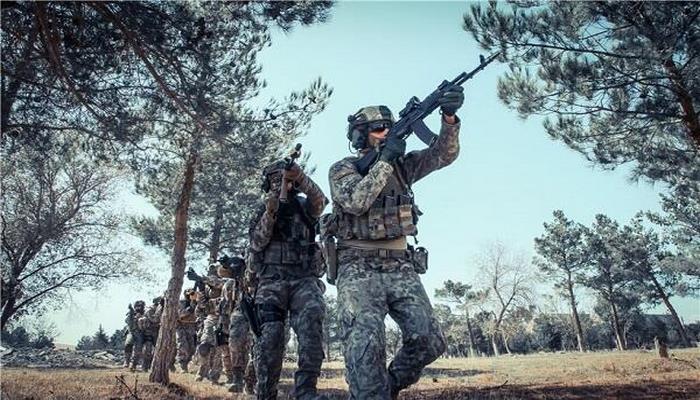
(392, 215)
(293, 236)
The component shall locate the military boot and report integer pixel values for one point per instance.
(236, 381)
(183, 366)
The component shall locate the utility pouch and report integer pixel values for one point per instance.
(420, 259)
(330, 255)
(406, 220)
(391, 217)
(375, 221)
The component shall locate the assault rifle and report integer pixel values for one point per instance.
(288, 162)
(411, 117)
(198, 283)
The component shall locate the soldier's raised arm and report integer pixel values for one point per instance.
(418, 164)
(315, 199)
(353, 192)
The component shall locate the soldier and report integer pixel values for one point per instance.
(148, 324)
(186, 331)
(239, 329)
(213, 338)
(377, 270)
(134, 336)
(283, 255)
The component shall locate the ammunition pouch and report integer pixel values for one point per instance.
(419, 257)
(389, 217)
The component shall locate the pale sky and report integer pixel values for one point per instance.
(508, 178)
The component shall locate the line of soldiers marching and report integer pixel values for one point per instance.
(210, 326)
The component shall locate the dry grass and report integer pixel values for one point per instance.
(613, 375)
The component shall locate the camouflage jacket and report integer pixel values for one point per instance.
(264, 223)
(186, 312)
(354, 193)
(149, 323)
(131, 320)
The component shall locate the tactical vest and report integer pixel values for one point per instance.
(293, 236)
(186, 317)
(392, 215)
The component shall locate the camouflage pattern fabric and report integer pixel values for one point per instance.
(186, 339)
(239, 343)
(368, 290)
(369, 287)
(208, 351)
(283, 290)
(186, 333)
(303, 300)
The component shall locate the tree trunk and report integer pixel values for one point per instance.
(505, 343)
(574, 313)
(8, 309)
(164, 349)
(494, 345)
(472, 353)
(674, 315)
(685, 100)
(216, 233)
(616, 327)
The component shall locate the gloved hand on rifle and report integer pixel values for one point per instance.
(191, 275)
(295, 173)
(451, 100)
(393, 149)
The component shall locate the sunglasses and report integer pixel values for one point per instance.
(379, 126)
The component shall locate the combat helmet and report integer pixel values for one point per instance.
(140, 304)
(365, 120)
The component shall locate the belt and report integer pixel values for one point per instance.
(380, 253)
(391, 244)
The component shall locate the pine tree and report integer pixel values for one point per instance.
(100, 340)
(620, 80)
(562, 258)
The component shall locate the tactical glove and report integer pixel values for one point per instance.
(295, 173)
(191, 275)
(393, 149)
(451, 100)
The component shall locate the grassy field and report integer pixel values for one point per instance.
(610, 375)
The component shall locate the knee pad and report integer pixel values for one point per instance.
(204, 349)
(270, 313)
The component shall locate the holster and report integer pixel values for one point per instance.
(329, 250)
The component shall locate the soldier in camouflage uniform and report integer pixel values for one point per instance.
(283, 257)
(148, 324)
(186, 331)
(213, 339)
(377, 270)
(239, 329)
(134, 335)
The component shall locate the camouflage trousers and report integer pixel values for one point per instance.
(369, 288)
(302, 298)
(186, 339)
(143, 344)
(212, 355)
(239, 343)
(129, 346)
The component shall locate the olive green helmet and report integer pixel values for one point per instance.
(359, 122)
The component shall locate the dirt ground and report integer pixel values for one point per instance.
(601, 375)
